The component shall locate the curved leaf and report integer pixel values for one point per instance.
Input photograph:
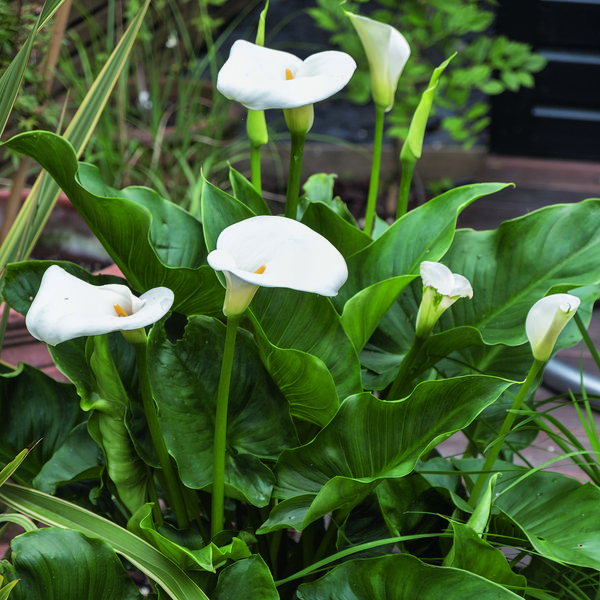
(59, 564)
(369, 440)
(59, 513)
(400, 577)
(552, 249)
(250, 574)
(158, 244)
(309, 323)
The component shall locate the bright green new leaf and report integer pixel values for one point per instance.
(13, 465)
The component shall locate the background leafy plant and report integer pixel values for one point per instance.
(485, 64)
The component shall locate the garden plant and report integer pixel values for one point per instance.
(256, 408)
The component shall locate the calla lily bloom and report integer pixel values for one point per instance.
(546, 320)
(387, 52)
(275, 251)
(261, 78)
(441, 289)
(66, 307)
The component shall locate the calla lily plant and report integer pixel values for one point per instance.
(66, 307)
(273, 251)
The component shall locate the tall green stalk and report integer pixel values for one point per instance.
(504, 431)
(220, 446)
(294, 174)
(375, 169)
(173, 490)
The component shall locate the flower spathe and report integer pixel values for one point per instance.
(272, 251)
(66, 307)
(546, 319)
(441, 289)
(387, 52)
(261, 78)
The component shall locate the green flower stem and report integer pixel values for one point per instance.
(255, 168)
(294, 174)
(218, 491)
(408, 167)
(504, 431)
(587, 339)
(375, 169)
(173, 489)
(406, 371)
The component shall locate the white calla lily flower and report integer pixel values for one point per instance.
(261, 78)
(441, 289)
(387, 52)
(546, 319)
(273, 251)
(66, 307)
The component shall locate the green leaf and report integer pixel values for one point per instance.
(556, 249)
(400, 577)
(318, 189)
(345, 236)
(246, 193)
(413, 146)
(250, 574)
(473, 554)
(158, 244)
(557, 514)
(58, 513)
(184, 382)
(303, 378)
(364, 311)
(34, 213)
(369, 440)
(61, 564)
(35, 408)
(10, 82)
(425, 233)
(309, 323)
(13, 465)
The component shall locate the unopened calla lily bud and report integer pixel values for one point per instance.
(546, 319)
(441, 289)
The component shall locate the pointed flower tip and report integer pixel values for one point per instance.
(66, 307)
(256, 76)
(546, 319)
(273, 251)
(387, 52)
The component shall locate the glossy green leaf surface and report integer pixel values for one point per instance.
(158, 244)
(250, 574)
(369, 440)
(94, 570)
(59, 513)
(400, 577)
(185, 381)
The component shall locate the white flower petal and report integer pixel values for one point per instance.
(279, 252)
(255, 76)
(66, 307)
(387, 52)
(546, 319)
